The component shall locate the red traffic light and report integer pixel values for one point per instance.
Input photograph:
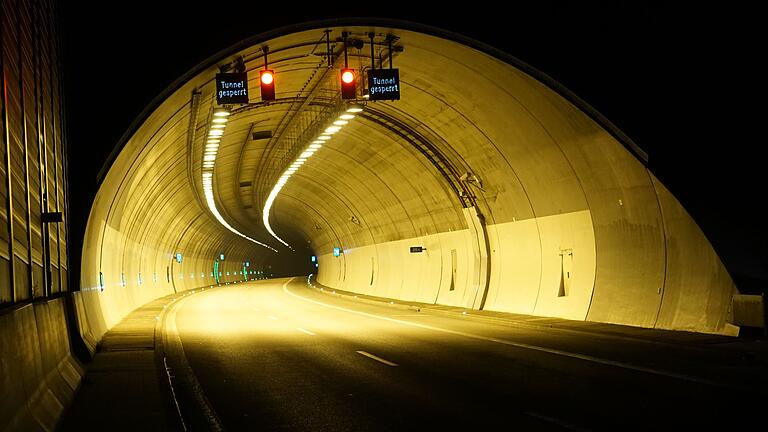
(348, 84)
(267, 82)
(267, 77)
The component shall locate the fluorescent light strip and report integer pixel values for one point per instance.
(209, 159)
(315, 145)
(212, 206)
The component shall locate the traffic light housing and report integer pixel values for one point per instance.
(267, 82)
(348, 84)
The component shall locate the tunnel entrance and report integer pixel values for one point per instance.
(268, 153)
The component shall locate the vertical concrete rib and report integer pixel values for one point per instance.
(55, 163)
(41, 165)
(7, 144)
(24, 139)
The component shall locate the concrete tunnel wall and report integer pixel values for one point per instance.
(144, 213)
(577, 227)
(558, 182)
(147, 209)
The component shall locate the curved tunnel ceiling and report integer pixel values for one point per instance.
(527, 199)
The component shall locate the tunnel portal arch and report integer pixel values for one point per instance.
(522, 197)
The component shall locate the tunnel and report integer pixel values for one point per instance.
(357, 224)
(522, 197)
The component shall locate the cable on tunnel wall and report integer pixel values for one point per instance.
(446, 169)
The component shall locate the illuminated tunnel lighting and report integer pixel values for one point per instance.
(315, 145)
(212, 206)
(209, 159)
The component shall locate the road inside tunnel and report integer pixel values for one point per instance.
(279, 355)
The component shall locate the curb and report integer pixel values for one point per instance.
(494, 320)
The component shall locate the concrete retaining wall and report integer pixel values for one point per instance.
(38, 374)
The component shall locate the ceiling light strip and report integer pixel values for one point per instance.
(209, 162)
(307, 152)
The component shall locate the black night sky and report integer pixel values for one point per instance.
(675, 81)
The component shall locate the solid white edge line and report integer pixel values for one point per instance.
(171, 331)
(305, 331)
(378, 359)
(173, 393)
(520, 345)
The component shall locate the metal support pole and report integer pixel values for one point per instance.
(344, 35)
(373, 64)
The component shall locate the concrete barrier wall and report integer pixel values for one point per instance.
(524, 280)
(423, 277)
(38, 374)
(541, 267)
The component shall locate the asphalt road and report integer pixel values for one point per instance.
(278, 356)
